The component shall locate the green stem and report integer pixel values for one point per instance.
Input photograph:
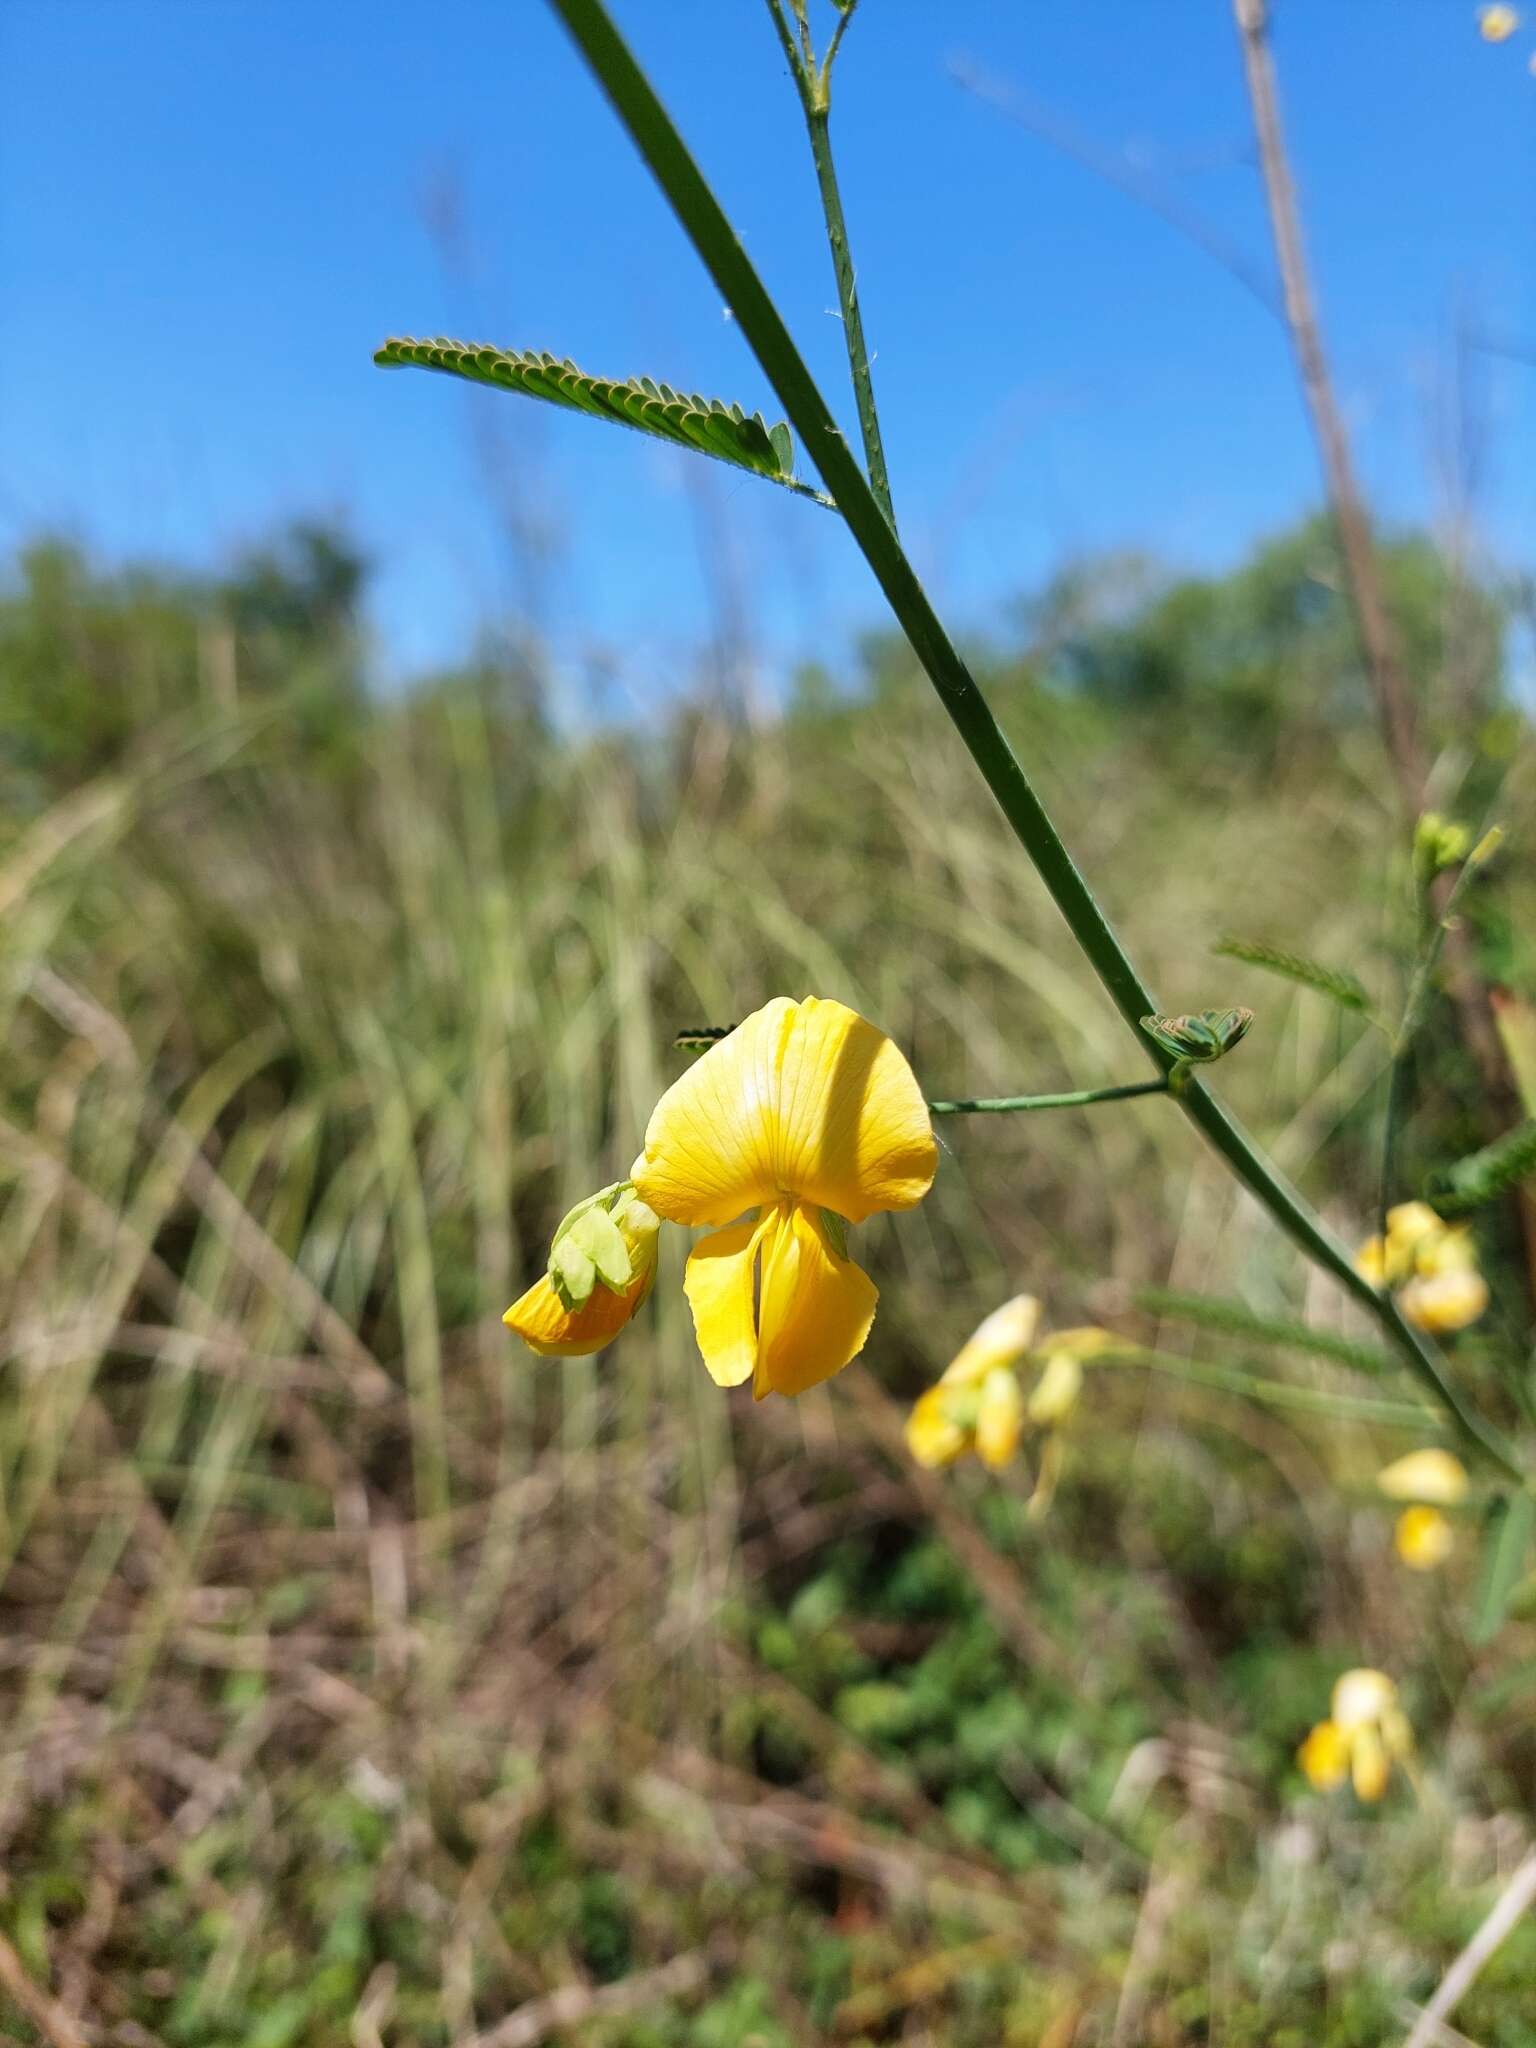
(819, 128)
(1077, 1098)
(1434, 928)
(814, 86)
(720, 250)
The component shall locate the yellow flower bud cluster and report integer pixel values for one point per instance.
(1431, 1265)
(1002, 1386)
(1365, 1734)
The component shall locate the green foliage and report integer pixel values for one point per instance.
(1337, 983)
(1235, 1319)
(1487, 1173)
(706, 425)
(390, 1672)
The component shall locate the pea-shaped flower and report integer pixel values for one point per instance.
(1365, 1734)
(1432, 1263)
(1429, 1480)
(810, 1118)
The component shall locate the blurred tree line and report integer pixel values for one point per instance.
(1259, 659)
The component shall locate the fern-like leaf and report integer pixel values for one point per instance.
(1336, 982)
(1482, 1175)
(706, 425)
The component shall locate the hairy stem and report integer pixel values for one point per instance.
(700, 214)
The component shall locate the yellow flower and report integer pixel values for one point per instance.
(807, 1116)
(1365, 1707)
(1412, 1224)
(1001, 1339)
(934, 1436)
(1424, 1538)
(1432, 1263)
(1433, 1476)
(980, 1403)
(1365, 1734)
(1444, 1302)
(999, 1418)
(601, 1266)
(1497, 24)
(1324, 1756)
(1054, 1394)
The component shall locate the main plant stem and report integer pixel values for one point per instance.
(759, 320)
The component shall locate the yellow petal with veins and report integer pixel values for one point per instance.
(806, 1100)
(815, 1307)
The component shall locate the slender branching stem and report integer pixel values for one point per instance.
(758, 318)
(813, 82)
(1077, 1098)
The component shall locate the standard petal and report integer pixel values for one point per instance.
(854, 1134)
(802, 1099)
(815, 1307)
(1002, 1338)
(710, 1144)
(547, 1326)
(719, 1284)
(1433, 1476)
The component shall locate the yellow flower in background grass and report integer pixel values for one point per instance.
(1497, 24)
(980, 1404)
(601, 1266)
(1432, 1267)
(810, 1118)
(1431, 1480)
(1365, 1734)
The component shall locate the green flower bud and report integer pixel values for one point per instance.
(1438, 843)
(608, 1240)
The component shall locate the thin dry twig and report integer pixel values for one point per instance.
(578, 2005)
(45, 2013)
(1394, 702)
(1516, 1898)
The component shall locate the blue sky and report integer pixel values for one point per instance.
(211, 210)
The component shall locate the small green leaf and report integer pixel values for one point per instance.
(686, 419)
(1201, 1037)
(1482, 1175)
(1335, 982)
(1511, 1519)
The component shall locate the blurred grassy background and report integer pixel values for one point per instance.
(367, 1680)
